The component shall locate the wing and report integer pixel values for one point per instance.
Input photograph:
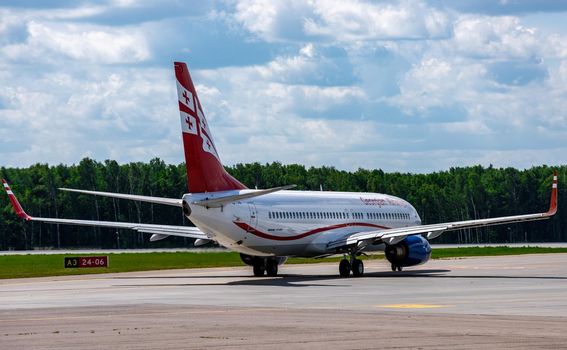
(395, 235)
(158, 231)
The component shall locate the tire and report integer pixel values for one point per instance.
(357, 268)
(259, 268)
(344, 268)
(272, 267)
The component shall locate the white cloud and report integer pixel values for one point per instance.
(79, 42)
(61, 118)
(501, 37)
(341, 21)
(361, 20)
(394, 84)
(273, 20)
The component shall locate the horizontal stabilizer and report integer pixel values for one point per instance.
(221, 201)
(158, 200)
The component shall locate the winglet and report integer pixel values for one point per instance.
(553, 202)
(15, 204)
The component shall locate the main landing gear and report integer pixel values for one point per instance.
(266, 265)
(353, 264)
(263, 265)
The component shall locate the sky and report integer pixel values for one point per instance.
(409, 86)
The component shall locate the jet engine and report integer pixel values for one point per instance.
(413, 250)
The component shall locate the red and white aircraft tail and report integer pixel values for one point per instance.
(15, 203)
(205, 172)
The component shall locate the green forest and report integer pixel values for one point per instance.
(456, 194)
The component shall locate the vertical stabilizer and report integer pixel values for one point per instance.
(205, 172)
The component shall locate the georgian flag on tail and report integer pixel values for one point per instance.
(208, 144)
(188, 123)
(185, 97)
(204, 169)
(193, 119)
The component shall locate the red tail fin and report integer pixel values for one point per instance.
(205, 172)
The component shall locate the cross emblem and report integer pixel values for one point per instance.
(189, 123)
(187, 99)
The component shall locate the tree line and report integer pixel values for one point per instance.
(456, 194)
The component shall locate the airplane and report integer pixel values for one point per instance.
(268, 225)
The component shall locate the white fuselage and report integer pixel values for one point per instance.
(297, 223)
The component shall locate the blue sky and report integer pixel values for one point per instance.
(411, 86)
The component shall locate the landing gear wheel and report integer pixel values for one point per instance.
(344, 268)
(271, 267)
(259, 268)
(357, 268)
(394, 267)
(399, 268)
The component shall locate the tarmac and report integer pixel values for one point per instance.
(511, 302)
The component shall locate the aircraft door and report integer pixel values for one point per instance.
(253, 214)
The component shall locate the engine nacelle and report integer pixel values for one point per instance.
(413, 250)
(250, 259)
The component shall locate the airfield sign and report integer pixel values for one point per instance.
(86, 261)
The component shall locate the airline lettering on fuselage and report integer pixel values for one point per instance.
(383, 201)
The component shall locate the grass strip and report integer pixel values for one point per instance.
(18, 266)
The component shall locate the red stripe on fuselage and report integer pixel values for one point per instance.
(261, 234)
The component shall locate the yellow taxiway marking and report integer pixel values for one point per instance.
(413, 306)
